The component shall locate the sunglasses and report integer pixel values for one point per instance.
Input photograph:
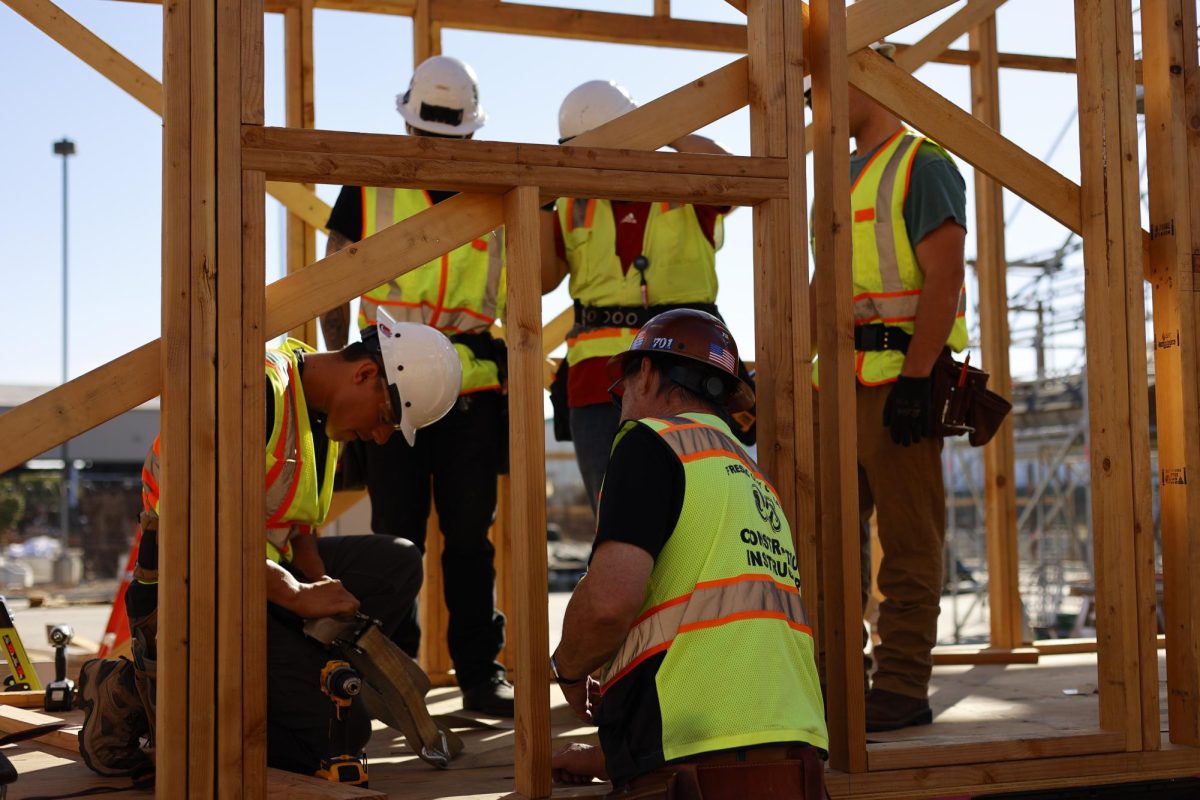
(391, 402)
(617, 391)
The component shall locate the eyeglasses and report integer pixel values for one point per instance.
(391, 401)
(617, 391)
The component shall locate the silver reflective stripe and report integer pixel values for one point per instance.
(385, 208)
(710, 604)
(579, 208)
(491, 290)
(873, 308)
(885, 246)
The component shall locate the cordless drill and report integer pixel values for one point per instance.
(341, 684)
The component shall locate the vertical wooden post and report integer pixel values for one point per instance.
(837, 397)
(1171, 79)
(1117, 391)
(213, 671)
(434, 654)
(299, 113)
(427, 36)
(662, 8)
(991, 265)
(528, 480)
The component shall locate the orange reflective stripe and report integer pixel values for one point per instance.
(864, 215)
(746, 576)
(740, 615)
(273, 475)
(875, 155)
(601, 333)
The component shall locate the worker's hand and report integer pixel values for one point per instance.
(906, 411)
(323, 598)
(584, 698)
(578, 763)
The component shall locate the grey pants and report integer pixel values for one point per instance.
(592, 429)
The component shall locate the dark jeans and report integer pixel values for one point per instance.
(385, 575)
(460, 455)
(592, 429)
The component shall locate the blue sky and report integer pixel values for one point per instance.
(361, 62)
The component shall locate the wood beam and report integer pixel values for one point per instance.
(936, 41)
(427, 35)
(1117, 392)
(991, 266)
(528, 493)
(869, 21)
(379, 160)
(600, 26)
(839, 519)
(907, 755)
(1172, 83)
(299, 111)
(979, 145)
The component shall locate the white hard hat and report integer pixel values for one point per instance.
(590, 105)
(885, 49)
(422, 371)
(442, 97)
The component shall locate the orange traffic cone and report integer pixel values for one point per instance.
(116, 633)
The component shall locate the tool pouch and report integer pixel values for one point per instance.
(962, 404)
(144, 632)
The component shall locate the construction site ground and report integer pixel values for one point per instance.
(978, 703)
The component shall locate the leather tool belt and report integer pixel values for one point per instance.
(629, 316)
(881, 337)
(762, 773)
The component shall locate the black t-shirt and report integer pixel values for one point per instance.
(347, 215)
(639, 505)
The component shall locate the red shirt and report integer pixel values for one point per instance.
(588, 381)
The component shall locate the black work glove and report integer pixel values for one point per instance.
(906, 411)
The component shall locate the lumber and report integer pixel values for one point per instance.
(1171, 75)
(19, 720)
(906, 755)
(837, 427)
(23, 699)
(954, 654)
(561, 23)
(530, 643)
(299, 113)
(1117, 392)
(434, 652)
(974, 13)
(982, 147)
(868, 21)
(991, 266)
(404, 161)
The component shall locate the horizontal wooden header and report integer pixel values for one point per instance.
(314, 156)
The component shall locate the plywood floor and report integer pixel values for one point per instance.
(971, 704)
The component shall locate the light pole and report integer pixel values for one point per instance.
(65, 148)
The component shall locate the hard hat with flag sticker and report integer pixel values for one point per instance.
(696, 338)
(422, 371)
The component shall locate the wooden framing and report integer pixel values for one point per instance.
(219, 159)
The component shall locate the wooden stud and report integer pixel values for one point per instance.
(299, 112)
(1171, 79)
(530, 643)
(991, 265)
(434, 652)
(1117, 393)
(837, 397)
(427, 38)
(868, 21)
(662, 8)
(974, 13)
(908, 755)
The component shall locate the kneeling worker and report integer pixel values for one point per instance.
(692, 594)
(403, 378)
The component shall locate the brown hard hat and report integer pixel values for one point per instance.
(698, 336)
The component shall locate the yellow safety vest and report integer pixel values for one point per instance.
(724, 603)
(462, 291)
(682, 266)
(293, 502)
(887, 278)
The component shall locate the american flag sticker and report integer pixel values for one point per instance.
(719, 355)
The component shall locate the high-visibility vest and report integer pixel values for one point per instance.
(294, 504)
(724, 603)
(887, 278)
(462, 291)
(683, 266)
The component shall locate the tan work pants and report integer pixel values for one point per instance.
(903, 487)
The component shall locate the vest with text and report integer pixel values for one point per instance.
(724, 604)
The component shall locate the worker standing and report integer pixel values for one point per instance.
(908, 205)
(692, 601)
(314, 401)
(628, 261)
(461, 294)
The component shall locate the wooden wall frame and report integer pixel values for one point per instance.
(217, 312)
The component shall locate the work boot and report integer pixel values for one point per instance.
(114, 720)
(493, 697)
(889, 711)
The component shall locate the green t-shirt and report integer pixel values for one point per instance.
(936, 191)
